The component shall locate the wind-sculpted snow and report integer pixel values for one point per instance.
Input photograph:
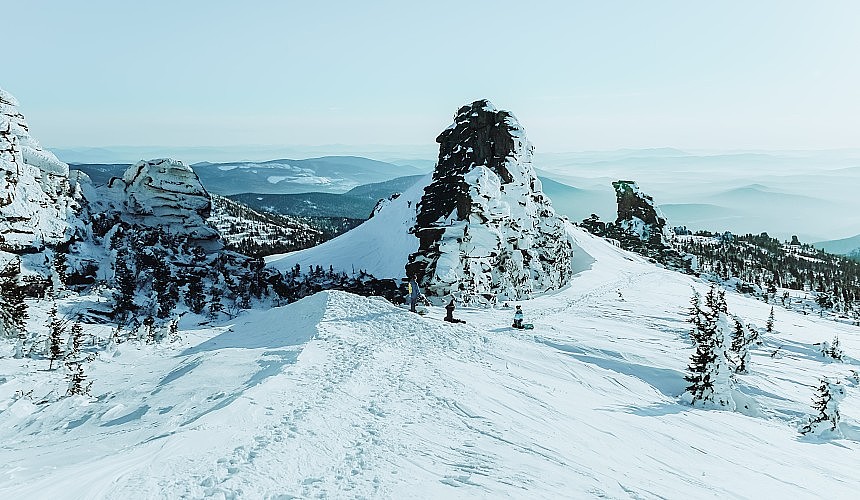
(341, 396)
(487, 232)
(38, 203)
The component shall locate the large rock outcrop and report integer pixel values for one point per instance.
(486, 231)
(638, 215)
(38, 202)
(164, 193)
(641, 227)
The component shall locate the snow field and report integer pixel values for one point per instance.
(339, 396)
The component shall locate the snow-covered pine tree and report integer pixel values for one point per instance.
(126, 284)
(740, 347)
(13, 309)
(60, 267)
(832, 349)
(826, 403)
(215, 306)
(696, 316)
(164, 288)
(56, 328)
(76, 340)
(711, 299)
(78, 385)
(769, 325)
(754, 337)
(722, 306)
(194, 297)
(709, 375)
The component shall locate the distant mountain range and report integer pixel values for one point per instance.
(845, 246)
(356, 203)
(330, 174)
(782, 193)
(308, 187)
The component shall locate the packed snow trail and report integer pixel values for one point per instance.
(341, 396)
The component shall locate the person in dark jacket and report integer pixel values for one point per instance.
(449, 313)
(414, 293)
(518, 318)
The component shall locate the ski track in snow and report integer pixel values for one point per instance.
(339, 396)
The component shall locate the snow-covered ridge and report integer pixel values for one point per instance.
(486, 230)
(380, 246)
(38, 203)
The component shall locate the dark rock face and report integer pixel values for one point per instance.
(640, 227)
(635, 206)
(485, 228)
(480, 135)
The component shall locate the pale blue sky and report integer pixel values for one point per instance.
(579, 75)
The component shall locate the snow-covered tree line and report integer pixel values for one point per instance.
(761, 264)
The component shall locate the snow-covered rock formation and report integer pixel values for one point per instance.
(38, 202)
(165, 193)
(486, 230)
(637, 214)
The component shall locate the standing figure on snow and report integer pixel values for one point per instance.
(449, 313)
(518, 318)
(414, 293)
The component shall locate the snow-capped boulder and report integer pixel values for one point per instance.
(486, 230)
(165, 193)
(637, 213)
(38, 203)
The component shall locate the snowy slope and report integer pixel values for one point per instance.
(380, 246)
(342, 396)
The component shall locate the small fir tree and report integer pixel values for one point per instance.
(215, 306)
(78, 385)
(76, 338)
(126, 285)
(826, 402)
(696, 316)
(769, 326)
(13, 308)
(709, 374)
(194, 297)
(60, 268)
(56, 329)
(740, 347)
(832, 349)
(754, 336)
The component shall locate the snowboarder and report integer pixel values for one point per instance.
(449, 313)
(414, 293)
(518, 318)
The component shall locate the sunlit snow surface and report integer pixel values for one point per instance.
(340, 396)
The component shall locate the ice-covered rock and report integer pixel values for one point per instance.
(38, 202)
(486, 230)
(165, 193)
